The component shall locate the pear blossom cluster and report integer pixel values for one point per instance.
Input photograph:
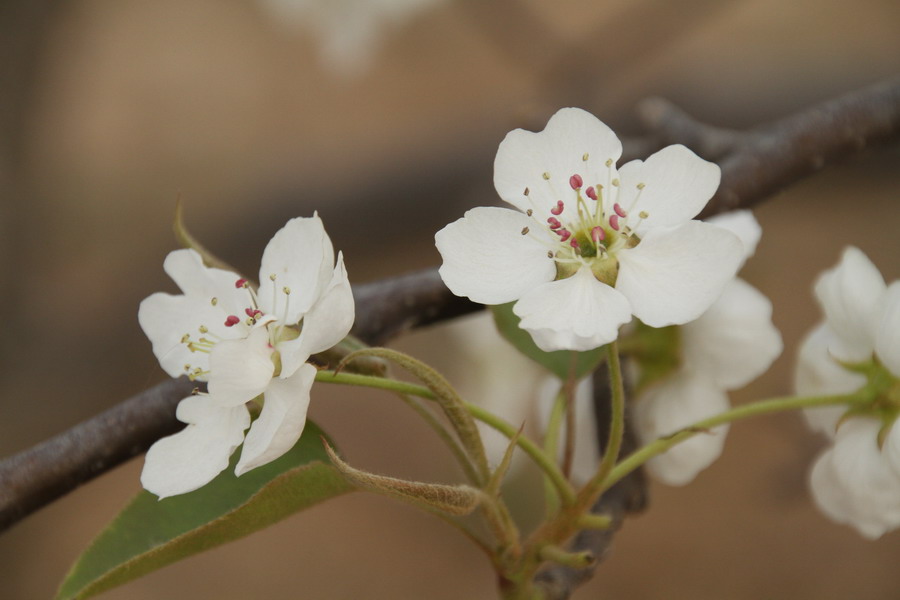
(856, 479)
(727, 347)
(589, 244)
(248, 345)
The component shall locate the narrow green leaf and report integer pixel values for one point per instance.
(187, 240)
(450, 402)
(150, 534)
(557, 362)
(452, 499)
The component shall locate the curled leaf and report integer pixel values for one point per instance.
(452, 499)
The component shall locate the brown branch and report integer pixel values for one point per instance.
(754, 164)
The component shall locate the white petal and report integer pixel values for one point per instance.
(733, 342)
(677, 402)
(195, 279)
(301, 257)
(854, 484)
(851, 296)
(281, 421)
(819, 374)
(677, 185)
(743, 224)
(488, 260)
(887, 339)
(241, 369)
(191, 458)
(891, 449)
(577, 313)
(675, 274)
(558, 151)
(327, 322)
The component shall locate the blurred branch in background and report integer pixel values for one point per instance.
(755, 164)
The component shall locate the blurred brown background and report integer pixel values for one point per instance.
(388, 128)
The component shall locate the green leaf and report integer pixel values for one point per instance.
(557, 362)
(150, 534)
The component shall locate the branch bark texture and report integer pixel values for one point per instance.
(755, 164)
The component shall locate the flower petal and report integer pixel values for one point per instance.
(743, 224)
(577, 313)
(677, 184)
(851, 296)
(559, 151)
(301, 258)
(674, 403)
(887, 340)
(281, 421)
(488, 260)
(191, 458)
(733, 342)
(328, 322)
(241, 369)
(675, 274)
(819, 374)
(852, 482)
(195, 279)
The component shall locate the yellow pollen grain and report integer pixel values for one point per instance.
(546, 175)
(214, 301)
(286, 290)
(584, 157)
(615, 182)
(608, 162)
(203, 329)
(643, 214)
(272, 277)
(524, 231)
(641, 186)
(527, 191)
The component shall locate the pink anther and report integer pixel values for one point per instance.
(231, 321)
(614, 222)
(574, 243)
(564, 234)
(554, 223)
(597, 234)
(619, 210)
(557, 210)
(591, 192)
(240, 283)
(253, 313)
(576, 181)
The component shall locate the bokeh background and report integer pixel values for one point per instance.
(384, 116)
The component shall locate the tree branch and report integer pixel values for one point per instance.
(754, 164)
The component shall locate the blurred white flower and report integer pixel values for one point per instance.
(349, 32)
(591, 245)
(856, 480)
(246, 344)
(731, 344)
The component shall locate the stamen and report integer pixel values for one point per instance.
(527, 191)
(524, 231)
(231, 321)
(557, 210)
(574, 243)
(591, 193)
(240, 283)
(186, 338)
(545, 175)
(615, 182)
(195, 392)
(619, 210)
(585, 156)
(576, 181)
(641, 186)
(253, 313)
(643, 214)
(286, 290)
(597, 234)
(564, 234)
(214, 301)
(529, 212)
(554, 223)
(608, 162)
(614, 222)
(549, 253)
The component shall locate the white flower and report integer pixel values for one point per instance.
(591, 245)
(856, 480)
(731, 344)
(349, 31)
(244, 344)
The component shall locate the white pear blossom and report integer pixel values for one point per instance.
(591, 245)
(731, 344)
(247, 345)
(856, 480)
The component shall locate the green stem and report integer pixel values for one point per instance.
(530, 448)
(551, 448)
(763, 407)
(617, 419)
